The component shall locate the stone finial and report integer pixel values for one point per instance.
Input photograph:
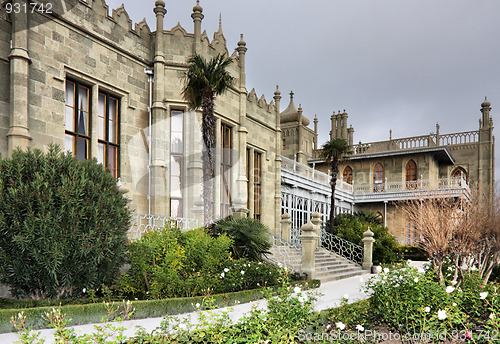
(197, 7)
(486, 103)
(291, 95)
(241, 49)
(159, 7)
(277, 92)
(390, 134)
(368, 249)
(220, 21)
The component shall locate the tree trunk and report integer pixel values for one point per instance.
(208, 133)
(333, 184)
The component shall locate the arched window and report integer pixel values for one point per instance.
(378, 178)
(411, 175)
(347, 175)
(459, 172)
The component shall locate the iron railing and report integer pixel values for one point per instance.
(342, 247)
(141, 223)
(285, 253)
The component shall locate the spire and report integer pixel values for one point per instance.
(220, 21)
(291, 96)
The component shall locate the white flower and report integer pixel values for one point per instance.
(197, 305)
(242, 272)
(386, 270)
(483, 295)
(182, 326)
(345, 296)
(409, 261)
(416, 279)
(442, 314)
(454, 304)
(421, 270)
(222, 275)
(360, 328)
(453, 282)
(474, 268)
(136, 299)
(450, 268)
(301, 299)
(340, 325)
(226, 270)
(427, 309)
(492, 316)
(450, 289)
(297, 290)
(260, 263)
(84, 290)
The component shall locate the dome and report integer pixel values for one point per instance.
(291, 114)
(486, 103)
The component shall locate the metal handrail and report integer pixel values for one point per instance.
(141, 223)
(341, 247)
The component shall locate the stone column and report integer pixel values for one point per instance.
(316, 220)
(19, 135)
(277, 160)
(368, 249)
(286, 223)
(160, 125)
(309, 242)
(197, 16)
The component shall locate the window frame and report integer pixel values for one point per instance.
(76, 110)
(106, 141)
(181, 156)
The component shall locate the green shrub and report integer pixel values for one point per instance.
(250, 237)
(351, 228)
(63, 224)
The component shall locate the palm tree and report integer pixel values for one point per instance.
(334, 151)
(204, 80)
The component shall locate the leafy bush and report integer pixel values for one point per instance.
(63, 224)
(250, 237)
(169, 263)
(351, 227)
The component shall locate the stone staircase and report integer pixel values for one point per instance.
(332, 267)
(329, 265)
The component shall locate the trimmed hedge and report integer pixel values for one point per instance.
(95, 312)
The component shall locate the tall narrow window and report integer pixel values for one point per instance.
(226, 171)
(108, 133)
(411, 175)
(347, 175)
(176, 162)
(378, 178)
(257, 185)
(77, 120)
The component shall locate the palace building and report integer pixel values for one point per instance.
(101, 87)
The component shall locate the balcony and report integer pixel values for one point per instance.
(399, 191)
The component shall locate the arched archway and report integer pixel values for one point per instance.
(459, 172)
(378, 177)
(347, 175)
(411, 174)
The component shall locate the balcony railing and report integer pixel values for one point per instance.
(418, 188)
(302, 170)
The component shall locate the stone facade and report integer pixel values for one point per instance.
(79, 77)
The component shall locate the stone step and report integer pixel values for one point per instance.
(326, 272)
(336, 277)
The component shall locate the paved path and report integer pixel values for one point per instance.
(332, 293)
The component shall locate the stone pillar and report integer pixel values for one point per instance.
(368, 249)
(197, 16)
(316, 220)
(309, 242)
(350, 135)
(286, 223)
(19, 135)
(344, 126)
(315, 138)
(277, 159)
(160, 126)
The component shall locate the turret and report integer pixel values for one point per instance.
(487, 121)
(242, 49)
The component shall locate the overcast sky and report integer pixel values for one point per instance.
(391, 64)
